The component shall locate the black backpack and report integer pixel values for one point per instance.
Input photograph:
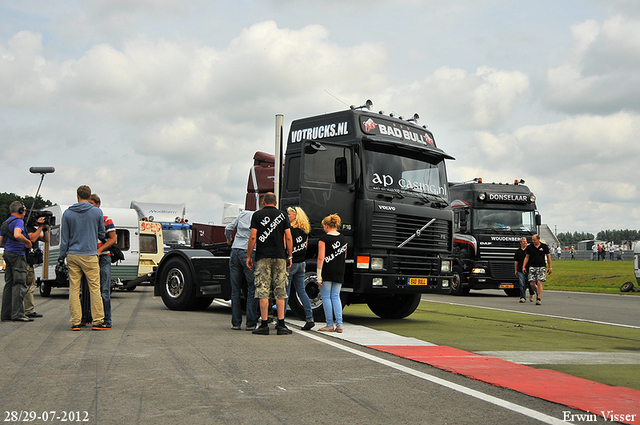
(4, 230)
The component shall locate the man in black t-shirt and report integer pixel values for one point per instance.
(518, 259)
(536, 253)
(271, 235)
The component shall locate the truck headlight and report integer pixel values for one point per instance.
(377, 281)
(478, 270)
(377, 263)
(445, 266)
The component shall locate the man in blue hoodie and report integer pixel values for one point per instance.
(81, 227)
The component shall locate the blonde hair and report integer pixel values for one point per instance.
(332, 220)
(301, 221)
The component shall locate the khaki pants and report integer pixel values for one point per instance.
(29, 306)
(89, 266)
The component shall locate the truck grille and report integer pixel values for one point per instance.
(498, 252)
(419, 266)
(390, 230)
(502, 270)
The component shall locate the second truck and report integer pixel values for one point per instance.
(489, 221)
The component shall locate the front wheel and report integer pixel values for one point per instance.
(176, 286)
(395, 306)
(456, 282)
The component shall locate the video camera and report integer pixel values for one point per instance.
(49, 219)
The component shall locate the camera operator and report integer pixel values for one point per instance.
(15, 275)
(34, 256)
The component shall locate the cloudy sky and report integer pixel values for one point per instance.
(166, 101)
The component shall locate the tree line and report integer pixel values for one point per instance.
(7, 198)
(617, 237)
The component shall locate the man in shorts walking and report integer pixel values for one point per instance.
(271, 236)
(536, 253)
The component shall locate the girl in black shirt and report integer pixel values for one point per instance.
(332, 252)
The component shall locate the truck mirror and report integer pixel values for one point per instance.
(463, 220)
(538, 220)
(341, 170)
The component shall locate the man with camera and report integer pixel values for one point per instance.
(16, 242)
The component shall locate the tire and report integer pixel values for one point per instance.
(45, 289)
(456, 282)
(313, 292)
(512, 292)
(626, 287)
(133, 288)
(177, 287)
(395, 306)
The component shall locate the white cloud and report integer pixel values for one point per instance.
(602, 74)
(485, 99)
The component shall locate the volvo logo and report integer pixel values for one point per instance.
(387, 207)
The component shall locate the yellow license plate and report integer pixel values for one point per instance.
(506, 286)
(418, 281)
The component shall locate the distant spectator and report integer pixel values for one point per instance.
(573, 253)
(612, 250)
(594, 252)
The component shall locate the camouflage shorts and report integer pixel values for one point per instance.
(271, 275)
(537, 274)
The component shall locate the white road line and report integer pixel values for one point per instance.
(456, 387)
(534, 314)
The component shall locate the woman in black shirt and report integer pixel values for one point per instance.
(332, 252)
(300, 229)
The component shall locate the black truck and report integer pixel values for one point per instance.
(490, 219)
(384, 177)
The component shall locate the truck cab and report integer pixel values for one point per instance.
(489, 221)
(387, 180)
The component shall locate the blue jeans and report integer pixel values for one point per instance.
(296, 277)
(238, 268)
(522, 278)
(105, 287)
(331, 303)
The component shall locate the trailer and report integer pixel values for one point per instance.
(141, 243)
(387, 180)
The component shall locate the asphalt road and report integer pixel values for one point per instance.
(622, 310)
(158, 366)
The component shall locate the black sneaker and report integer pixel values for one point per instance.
(308, 326)
(76, 327)
(34, 314)
(262, 330)
(23, 319)
(283, 330)
(101, 327)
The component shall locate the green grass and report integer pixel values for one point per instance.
(475, 329)
(604, 277)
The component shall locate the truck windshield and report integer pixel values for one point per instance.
(176, 237)
(404, 173)
(504, 220)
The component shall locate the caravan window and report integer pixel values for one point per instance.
(122, 239)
